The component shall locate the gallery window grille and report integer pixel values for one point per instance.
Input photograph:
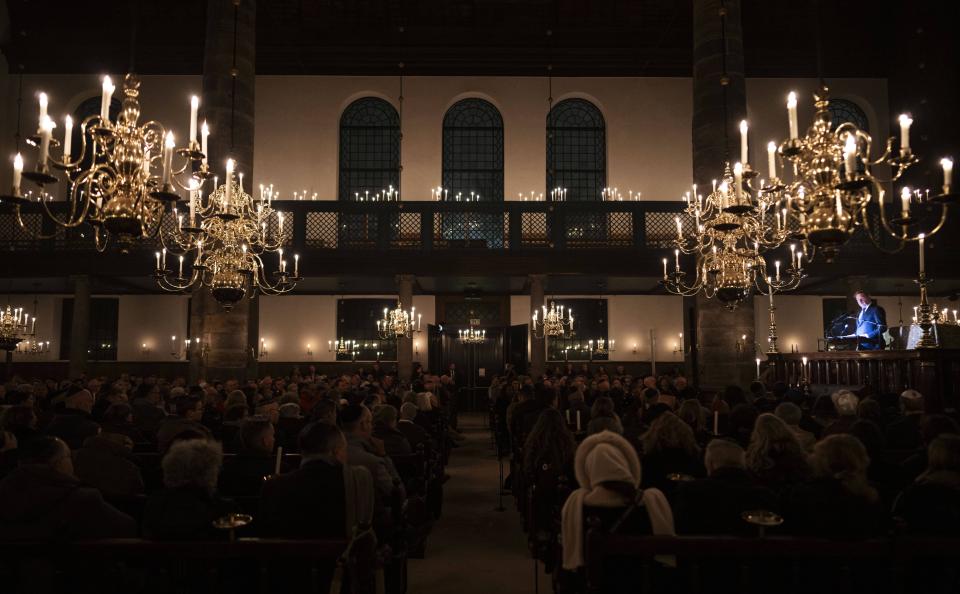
(369, 148)
(473, 150)
(577, 149)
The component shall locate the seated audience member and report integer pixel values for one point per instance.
(189, 411)
(105, 462)
(888, 478)
(740, 422)
(839, 501)
(244, 473)
(550, 443)
(791, 414)
(325, 497)
(774, 457)
(870, 409)
(357, 423)
(603, 417)
(148, 410)
(74, 423)
(21, 421)
(233, 419)
(188, 506)
(414, 433)
(576, 404)
(693, 414)
(325, 411)
(714, 505)
(269, 408)
(42, 500)
(385, 429)
(289, 424)
(608, 471)
(904, 432)
(845, 402)
(931, 427)
(931, 505)
(669, 447)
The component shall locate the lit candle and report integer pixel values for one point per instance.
(229, 185)
(905, 122)
(163, 258)
(772, 160)
(67, 137)
(296, 265)
(850, 155)
(168, 158)
(676, 255)
(679, 229)
(839, 206)
(43, 110)
(738, 179)
(664, 277)
(777, 264)
(158, 260)
(792, 115)
(194, 104)
(743, 142)
(922, 260)
(17, 173)
(947, 164)
(799, 259)
(204, 133)
(181, 267)
(194, 184)
(770, 286)
(805, 368)
(905, 202)
(108, 89)
(46, 131)
(758, 367)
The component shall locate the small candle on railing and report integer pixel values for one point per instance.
(744, 150)
(108, 89)
(905, 202)
(296, 265)
(922, 259)
(67, 137)
(168, 158)
(905, 122)
(850, 156)
(194, 104)
(772, 160)
(204, 134)
(805, 369)
(17, 173)
(792, 115)
(947, 164)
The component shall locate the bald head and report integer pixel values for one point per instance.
(80, 400)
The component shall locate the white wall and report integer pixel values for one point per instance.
(151, 320)
(648, 123)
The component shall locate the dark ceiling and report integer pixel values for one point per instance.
(443, 37)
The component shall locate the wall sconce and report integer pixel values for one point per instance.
(144, 349)
(174, 348)
(680, 348)
(309, 350)
(378, 355)
(635, 348)
(262, 353)
(416, 348)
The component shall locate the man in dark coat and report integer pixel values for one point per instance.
(385, 429)
(74, 423)
(104, 462)
(414, 433)
(189, 411)
(871, 323)
(245, 473)
(714, 505)
(42, 500)
(904, 432)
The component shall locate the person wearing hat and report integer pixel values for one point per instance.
(608, 472)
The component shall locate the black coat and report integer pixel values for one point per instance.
(39, 503)
(415, 435)
(244, 474)
(307, 503)
(931, 506)
(714, 505)
(185, 513)
(904, 433)
(394, 442)
(823, 508)
(107, 465)
(73, 426)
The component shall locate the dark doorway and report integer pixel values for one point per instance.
(476, 364)
(516, 348)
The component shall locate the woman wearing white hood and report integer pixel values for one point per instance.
(608, 471)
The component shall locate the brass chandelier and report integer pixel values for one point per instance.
(341, 347)
(227, 242)
(474, 334)
(552, 323)
(122, 176)
(15, 326)
(832, 183)
(399, 323)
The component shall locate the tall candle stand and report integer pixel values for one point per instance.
(925, 316)
(772, 327)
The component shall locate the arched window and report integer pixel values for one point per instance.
(473, 150)
(576, 149)
(369, 148)
(844, 110)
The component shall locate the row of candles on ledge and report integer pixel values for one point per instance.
(175, 351)
(33, 347)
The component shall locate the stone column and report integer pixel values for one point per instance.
(405, 345)
(228, 107)
(719, 103)
(538, 346)
(80, 326)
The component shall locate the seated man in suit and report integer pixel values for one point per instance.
(414, 433)
(243, 474)
(871, 323)
(363, 450)
(385, 429)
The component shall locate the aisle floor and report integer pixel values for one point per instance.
(474, 549)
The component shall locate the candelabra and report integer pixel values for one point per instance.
(441, 194)
(399, 323)
(553, 322)
(833, 183)
(227, 238)
(388, 195)
(110, 181)
(341, 347)
(34, 347)
(603, 347)
(472, 335)
(614, 195)
(15, 326)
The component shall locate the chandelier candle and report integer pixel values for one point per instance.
(947, 164)
(67, 137)
(228, 186)
(168, 158)
(922, 259)
(772, 160)
(744, 150)
(46, 131)
(194, 104)
(108, 89)
(905, 202)
(17, 172)
(905, 122)
(792, 115)
(204, 133)
(43, 111)
(850, 156)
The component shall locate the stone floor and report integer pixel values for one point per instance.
(474, 549)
